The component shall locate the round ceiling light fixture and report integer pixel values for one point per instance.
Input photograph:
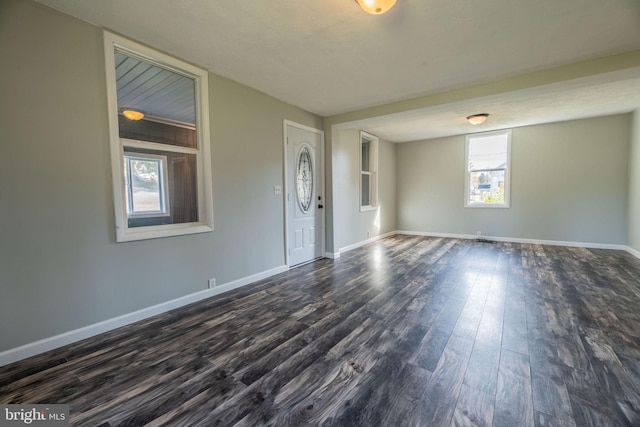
(376, 7)
(478, 119)
(134, 115)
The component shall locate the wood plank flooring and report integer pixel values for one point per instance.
(406, 331)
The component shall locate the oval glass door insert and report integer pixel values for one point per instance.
(304, 179)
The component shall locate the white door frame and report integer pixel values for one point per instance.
(286, 186)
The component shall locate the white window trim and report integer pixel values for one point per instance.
(372, 172)
(204, 176)
(507, 174)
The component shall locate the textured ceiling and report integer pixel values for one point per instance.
(330, 57)
(611, 93)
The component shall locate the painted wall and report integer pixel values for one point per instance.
(634, 184)
(350, 225)
(569, 183)
(60, 268)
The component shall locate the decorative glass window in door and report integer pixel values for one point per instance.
(304, 179)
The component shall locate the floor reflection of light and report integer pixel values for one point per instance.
(485, 278)
(377, 255)
(378, 264)
(468, 278)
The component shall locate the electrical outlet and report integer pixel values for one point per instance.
(368, 234)
(212, 283)
(479, 234)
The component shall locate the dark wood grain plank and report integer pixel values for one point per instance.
(588, 414)
(550, 396)
(430, 350)
(441, 393)
(309, 401)
(544, 420)
(474, 408)
(407, 330)
(514, 404)
(482, 371)
(514, 330)
(490, 327)
(323, 335)
(385, 397)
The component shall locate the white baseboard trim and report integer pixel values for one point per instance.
(633, 252)
(365, 242)
(46, 344)
(518, 240)
(434, 234)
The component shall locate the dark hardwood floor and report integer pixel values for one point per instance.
(407, 331)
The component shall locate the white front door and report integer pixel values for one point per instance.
(305, 196)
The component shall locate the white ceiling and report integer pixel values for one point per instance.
(330, 57)
(611, 93)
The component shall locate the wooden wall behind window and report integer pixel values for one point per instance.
(183, 188)
(146, 130)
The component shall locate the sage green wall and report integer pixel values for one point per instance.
(569, 183)
(350, 225)
(634, 184)
(586, 68)
(60, 268)
(387, 191)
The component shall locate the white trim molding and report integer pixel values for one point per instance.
(365, 242)
(286, 184)
(202, 153)
(491, 238)
(506, 134)
(633, 252)
(371, 171)
(518, 240)
(51, 343)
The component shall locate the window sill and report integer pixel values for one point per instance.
(486, 205)
(156, 232)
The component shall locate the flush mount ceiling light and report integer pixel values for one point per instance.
(133, 114)
(376, 7)
(477, 119)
